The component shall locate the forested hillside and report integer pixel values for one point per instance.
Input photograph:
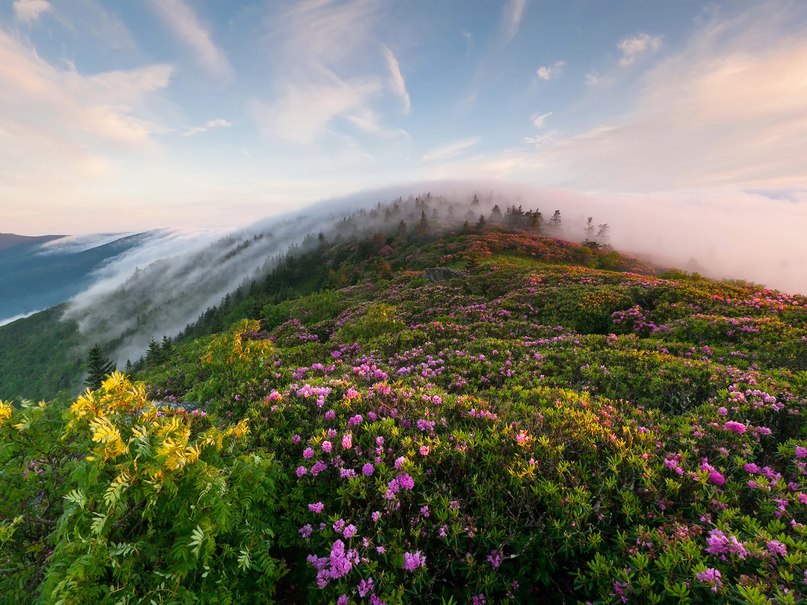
(480, 415)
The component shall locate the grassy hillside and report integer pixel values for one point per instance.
(488, 417)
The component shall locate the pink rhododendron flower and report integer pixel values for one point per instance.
(711, 577)
(414, 560)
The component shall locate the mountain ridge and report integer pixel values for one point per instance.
(477, 415)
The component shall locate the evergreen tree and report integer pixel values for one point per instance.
(423, 225)
(496, 214)
(603, 232)
(98, 367)
(589, 229)
(536, 219)
(154, 353)
(556, 222)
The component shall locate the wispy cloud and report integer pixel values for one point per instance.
(60, 129)
(320, 73)
(397, 81)
(209, 125)
(183, 23)
(729, 109)
(306, 109)
(513, 15)
(598, 80)
(539, 119)
(29, 11)
(451, 150)
(551, 72)
(368, 121)
(635, 46)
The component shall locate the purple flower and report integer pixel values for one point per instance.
(308, 453)
(710, 577)
(301, 470)
(376, 516)
(722, 544)
(399, 462)
(368, 469)
(495, 558)
(365, 587)
(330, 415)
(349, 531)
(341, 561)
(801, 452)
(414, 560)
(425, 425)
(776, 548)
(347, 441)
(343, 600)
(318, 467)
(355, 420)
(305, 530)
(326, 446)
(673, 465)
(737, 427)
(316, 507)
(405, 481)
(751, 468)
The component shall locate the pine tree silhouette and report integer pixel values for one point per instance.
(98, 367)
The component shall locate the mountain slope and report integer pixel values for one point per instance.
(10, 240)
(36, 277)
(488, 416)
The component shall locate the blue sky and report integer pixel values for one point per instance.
(131, 115)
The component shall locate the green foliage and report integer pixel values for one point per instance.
(525, 430)
(98, 368)
(40, 356)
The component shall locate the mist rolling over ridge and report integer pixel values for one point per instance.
(161, 286)
(39, 272)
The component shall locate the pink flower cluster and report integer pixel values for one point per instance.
(722, 544)
(711, 577)
(414, 560)
(337, 564)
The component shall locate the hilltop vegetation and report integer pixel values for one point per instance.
(478, 416)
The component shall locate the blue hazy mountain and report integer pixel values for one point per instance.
(40, 272)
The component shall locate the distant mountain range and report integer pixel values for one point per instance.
(43, 271)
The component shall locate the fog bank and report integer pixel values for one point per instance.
(164, 284)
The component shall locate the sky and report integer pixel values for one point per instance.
(120, 116)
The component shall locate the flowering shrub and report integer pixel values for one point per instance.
(527, 431)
